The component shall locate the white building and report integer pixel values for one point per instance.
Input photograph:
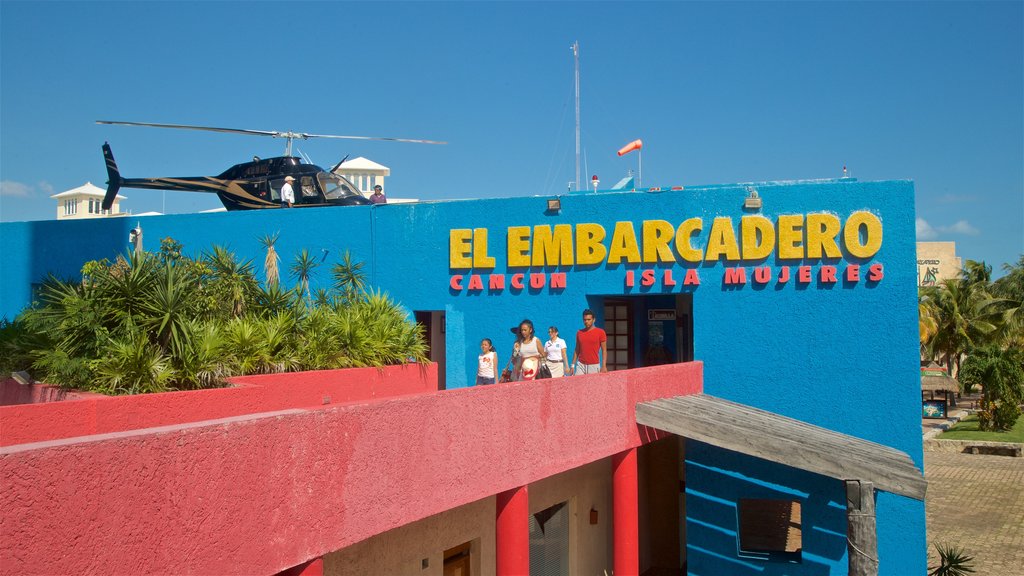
(937, 261)
(364, 173)
(85, 202)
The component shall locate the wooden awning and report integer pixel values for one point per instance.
(767, 435)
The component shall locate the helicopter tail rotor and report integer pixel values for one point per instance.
(113, 177)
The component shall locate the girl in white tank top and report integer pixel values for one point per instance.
(529, 348)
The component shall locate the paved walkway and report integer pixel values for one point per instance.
(977, 502)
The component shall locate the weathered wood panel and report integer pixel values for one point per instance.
(756, 432)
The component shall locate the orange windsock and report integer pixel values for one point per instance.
(634, 145)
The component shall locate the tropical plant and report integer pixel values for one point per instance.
(202, 360)
(966, 316)
(1011, 288)
(232, 282)
(953, 561)
(170, 249)
(271, 261)
(152, 322)
(301, 269)
(132, 366)
(926, 323)
(1000, 371)
(349, 278)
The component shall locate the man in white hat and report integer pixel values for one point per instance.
(287, 194)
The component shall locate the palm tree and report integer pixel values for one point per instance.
(1011, 288)
(966, 317)
(272, 259)
(349, 278)
(926, 323)
(302, 269)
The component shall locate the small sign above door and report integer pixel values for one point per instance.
(661, 314)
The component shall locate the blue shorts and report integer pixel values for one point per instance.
(481, 380)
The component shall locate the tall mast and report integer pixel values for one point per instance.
(576, 60)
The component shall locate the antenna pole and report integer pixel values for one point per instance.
(576, 60)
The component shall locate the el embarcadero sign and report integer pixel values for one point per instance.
(795, 237)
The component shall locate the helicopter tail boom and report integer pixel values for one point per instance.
(113, 177)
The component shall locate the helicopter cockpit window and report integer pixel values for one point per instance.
(335, 186)
(308, 187)
(275, 189)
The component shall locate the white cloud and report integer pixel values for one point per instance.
(961, 227)
(12, 188)
(45, 188)
(924, 230)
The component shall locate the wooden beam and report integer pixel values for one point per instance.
(766, 435)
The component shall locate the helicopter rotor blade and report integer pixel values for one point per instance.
(273, 133)
(188, 127)
(374, 138)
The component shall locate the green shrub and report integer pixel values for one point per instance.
(1005, 416)
(155, 322)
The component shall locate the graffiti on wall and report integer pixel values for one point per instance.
(927, 272)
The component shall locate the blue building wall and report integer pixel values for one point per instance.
(840, 355)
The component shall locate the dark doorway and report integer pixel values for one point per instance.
(646, 330)
(433, 322)
(618, 325)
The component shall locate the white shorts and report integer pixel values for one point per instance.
(557, 368)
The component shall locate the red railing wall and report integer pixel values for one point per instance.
(97, 414)
(260, 493)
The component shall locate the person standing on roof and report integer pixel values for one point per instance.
(287, 194)
(591, 351)
(378, 195)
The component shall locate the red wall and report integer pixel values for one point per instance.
(97, 414)
(13, 392)
(260, 493)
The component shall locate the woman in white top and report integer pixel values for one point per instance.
(528, 348)
(555, 354)
(486, 363)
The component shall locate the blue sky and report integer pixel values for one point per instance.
(719, 93)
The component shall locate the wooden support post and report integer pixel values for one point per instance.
(861, 535)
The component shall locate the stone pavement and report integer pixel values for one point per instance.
(977, 502)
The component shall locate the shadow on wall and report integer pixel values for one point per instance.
(719, 479)
(61, 248)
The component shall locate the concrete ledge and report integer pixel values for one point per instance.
(1015, 449)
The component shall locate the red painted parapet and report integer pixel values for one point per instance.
(98, 414)
(261, 493)
(13, 393)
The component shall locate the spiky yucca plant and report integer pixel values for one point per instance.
(953, 561)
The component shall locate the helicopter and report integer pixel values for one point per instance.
(253, 185)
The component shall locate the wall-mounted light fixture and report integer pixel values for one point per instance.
(753, 201)
(554, 204)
